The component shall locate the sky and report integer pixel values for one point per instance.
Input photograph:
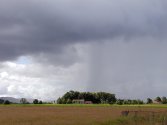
(48, 47)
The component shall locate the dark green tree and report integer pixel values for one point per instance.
(59, 101)
(1, 101)
(128, 101)
(35, 101)
(119, 101)
(164, 100)
(6, 102)
(158, 99)
(134, 102)
(149, 101)
(69, 101)
(23, 101)
(40, 102)
(106, 97)
(140, 101)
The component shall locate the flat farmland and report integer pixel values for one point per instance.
(64, 115)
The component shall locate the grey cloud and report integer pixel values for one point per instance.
(125, 44)
(33, 27)
(129, 69)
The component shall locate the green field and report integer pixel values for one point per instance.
(91, 105)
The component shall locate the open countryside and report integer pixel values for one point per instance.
(80, 114)
(83, 62)
(84, 108)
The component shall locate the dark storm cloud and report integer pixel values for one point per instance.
(39, 26)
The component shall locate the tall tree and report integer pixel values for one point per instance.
(6, 102)
(158, 99)
(40, 102)
(35, 101)
(23, 101)
(164, 100)
(1, 101)
(149, 101)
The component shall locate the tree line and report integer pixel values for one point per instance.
(35, 101)
(105, 98)
(158, 100)
(22, 101)
(129, 101)
(94, 97)
(161, 100)
(4, 101)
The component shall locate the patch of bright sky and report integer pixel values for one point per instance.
(23, 60)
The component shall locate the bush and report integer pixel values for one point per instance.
(40, 102)
(7, 102)
(119, 102)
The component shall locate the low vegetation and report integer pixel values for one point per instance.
(69, 114)
(140, 118)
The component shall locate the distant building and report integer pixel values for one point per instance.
(81, 101)
(78, 101)
(156, 102)
(88, 102)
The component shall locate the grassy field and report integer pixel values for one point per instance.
(73, 114)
